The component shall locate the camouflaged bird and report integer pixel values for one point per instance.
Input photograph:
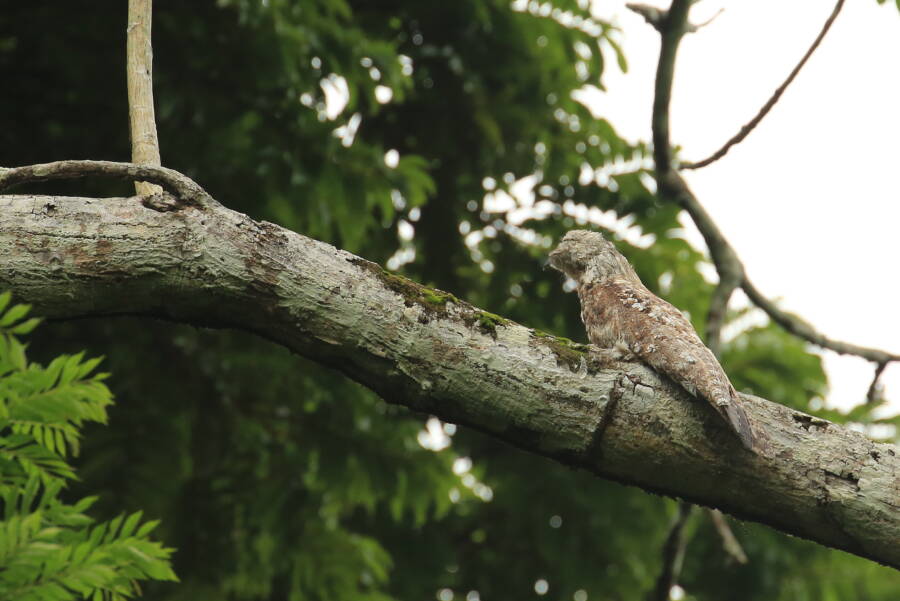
(619, 311)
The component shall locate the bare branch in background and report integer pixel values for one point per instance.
(746, 129)
(693, 28)
(673, 555)
(671, 31)
(876, 388)
(675, 546)
(656, 16)
(652, 15)
(801, 329)
(673, 188)
(672, 27)
(715, 319)
(730, 543)
(139, 68)
(718, 307)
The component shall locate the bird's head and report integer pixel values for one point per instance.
(587, 257)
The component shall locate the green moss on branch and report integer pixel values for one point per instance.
(432, 300)
(568, 352)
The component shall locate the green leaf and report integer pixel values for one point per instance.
(620, 55)
(26, 327)
(15, 313)
(71, 369)
(16, 354)
(131, 523)
(146, 528)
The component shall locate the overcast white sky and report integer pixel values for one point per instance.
(810, 200)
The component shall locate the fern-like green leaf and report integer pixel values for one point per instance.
(50, 550)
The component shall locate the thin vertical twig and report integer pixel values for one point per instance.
(139, 68)
(876, 390)
(730, 543)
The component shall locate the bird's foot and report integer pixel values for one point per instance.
(607, 357)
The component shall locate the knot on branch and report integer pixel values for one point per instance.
(658, 17)
(654, 16)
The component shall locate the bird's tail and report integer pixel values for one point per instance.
(740, 424)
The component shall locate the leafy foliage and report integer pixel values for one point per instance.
(278, 479)
(897, 2)
(50, 549)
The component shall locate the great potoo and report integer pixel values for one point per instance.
(618, 311)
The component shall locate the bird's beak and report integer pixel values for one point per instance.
(550, 256)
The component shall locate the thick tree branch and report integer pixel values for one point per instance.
(746, 129)
(77, 257)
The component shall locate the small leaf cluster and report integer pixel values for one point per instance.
(51, 550)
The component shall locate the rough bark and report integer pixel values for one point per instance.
(207, 265)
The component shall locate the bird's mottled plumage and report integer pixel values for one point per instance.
(618, 310)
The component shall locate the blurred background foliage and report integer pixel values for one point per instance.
(442, 140)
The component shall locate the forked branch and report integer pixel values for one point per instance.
(673, 188)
